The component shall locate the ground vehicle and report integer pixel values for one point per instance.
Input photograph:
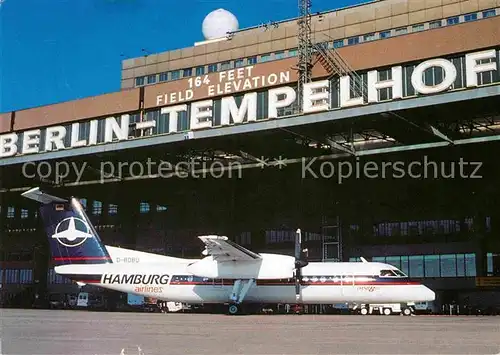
(424, 307)
(88, 300)
(385, 309)
(57, 301)
(72, 300)
(83, 299)
(175, 306)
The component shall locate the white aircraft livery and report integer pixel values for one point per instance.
(226, 274)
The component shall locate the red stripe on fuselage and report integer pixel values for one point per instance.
(259, 283)
(90, 281)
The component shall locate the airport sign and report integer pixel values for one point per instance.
(242, 104)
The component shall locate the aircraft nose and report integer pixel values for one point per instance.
(428, 294)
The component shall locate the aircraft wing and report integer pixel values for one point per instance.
(222, 249)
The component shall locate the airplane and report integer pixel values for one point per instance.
(227, 274)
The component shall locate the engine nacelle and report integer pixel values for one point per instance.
(271, 266)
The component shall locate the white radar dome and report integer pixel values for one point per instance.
(218, 23)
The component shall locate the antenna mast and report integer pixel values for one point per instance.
(304, 49)
(329, 59)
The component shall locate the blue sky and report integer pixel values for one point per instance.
(59, 50)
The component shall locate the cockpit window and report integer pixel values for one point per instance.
(387, 273)
(400, 273)
(392, 273)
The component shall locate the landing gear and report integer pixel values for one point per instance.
(238, 295)
(233, 309)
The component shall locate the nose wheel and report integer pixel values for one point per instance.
(233, 309)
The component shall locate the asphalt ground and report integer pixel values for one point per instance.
(94, 333)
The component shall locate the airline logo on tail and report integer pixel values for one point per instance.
(72, 232)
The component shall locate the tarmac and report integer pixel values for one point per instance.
(67, 332)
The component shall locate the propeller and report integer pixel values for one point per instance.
(299, 263)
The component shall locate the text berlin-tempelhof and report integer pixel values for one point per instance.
(315, 98)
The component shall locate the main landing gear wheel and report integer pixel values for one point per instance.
(240, 289)
(233, 309)
(364, 311)
(407, 312)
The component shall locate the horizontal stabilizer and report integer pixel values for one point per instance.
(42, 197)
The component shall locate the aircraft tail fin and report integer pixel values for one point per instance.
(72, 237)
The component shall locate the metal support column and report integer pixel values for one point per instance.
(331, 235)
(3, 214)
(41, 261)
(128, 216)
(304, 48)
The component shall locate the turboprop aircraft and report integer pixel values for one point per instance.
(227, 274)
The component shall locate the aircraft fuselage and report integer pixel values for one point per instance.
(322, 283)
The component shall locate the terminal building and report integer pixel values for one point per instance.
(387, 154)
